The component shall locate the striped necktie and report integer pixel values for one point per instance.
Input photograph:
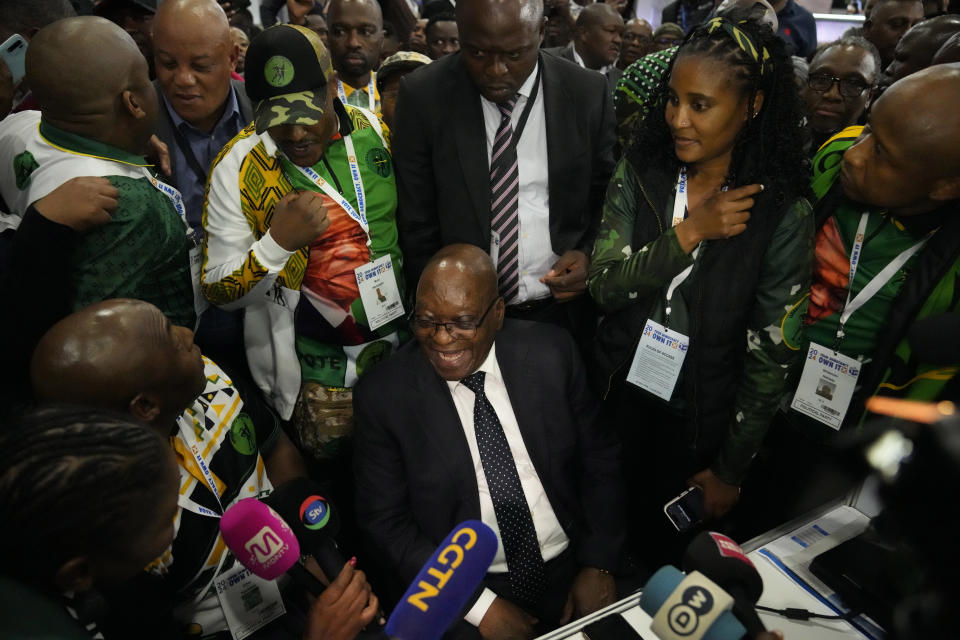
(504, 202)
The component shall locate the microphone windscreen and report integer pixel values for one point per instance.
(259, 538)
(661, 586)
(445, 584)
(301, 504)
(723, 561)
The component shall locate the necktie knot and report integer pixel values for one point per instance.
(506, 108)
(474, 382)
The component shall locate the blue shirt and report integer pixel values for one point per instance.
(205, 147)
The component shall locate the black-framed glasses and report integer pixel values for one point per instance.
(849, 87)
(456, 328)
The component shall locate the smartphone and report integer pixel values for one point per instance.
(13, 52)
(686, 510)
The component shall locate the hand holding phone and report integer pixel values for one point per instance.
(686, 510)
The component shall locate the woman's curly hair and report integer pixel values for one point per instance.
(770, 147)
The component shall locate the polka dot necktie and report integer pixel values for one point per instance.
(520, 545)
(504, 202)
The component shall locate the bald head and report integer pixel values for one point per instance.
(463, 262)
(931, 97)
(529, 13)
(916, 49)
(87, 47)
(596, 13)
(112, 353)
(949, 52)
(191, 14)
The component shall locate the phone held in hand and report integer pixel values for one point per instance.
(686, 510)
(13, 52)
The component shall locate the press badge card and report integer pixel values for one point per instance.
(826, 385)
(379, 292)
(658, 360)
(248, 601)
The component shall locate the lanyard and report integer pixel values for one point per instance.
(184, 145)
(188, 437)
(679, 215)
(359, 215)
(878, 280)
(371, 88)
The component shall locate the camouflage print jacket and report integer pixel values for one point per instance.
(730, 307)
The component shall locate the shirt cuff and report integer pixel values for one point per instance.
(270, 254)
(479, 608)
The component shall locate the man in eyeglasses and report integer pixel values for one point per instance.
(843, 75)
(491, 420)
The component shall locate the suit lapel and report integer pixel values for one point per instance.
(471, 139)
(558, 113)
(525, 398)
(439, 418)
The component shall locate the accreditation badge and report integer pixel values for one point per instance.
(658, 360)
(826, 386)
(379, 292)
(248, 601)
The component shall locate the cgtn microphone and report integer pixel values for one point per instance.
(441, 590)
(690, 607)
(264, 543)
(315, 523)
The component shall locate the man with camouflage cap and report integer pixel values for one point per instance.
(300, 233)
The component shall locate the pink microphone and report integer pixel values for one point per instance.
(259, 538)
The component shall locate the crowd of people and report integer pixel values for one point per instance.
(541, 264)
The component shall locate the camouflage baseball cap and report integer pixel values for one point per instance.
(400, 61)
(287, 73)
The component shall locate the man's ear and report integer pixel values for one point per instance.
(946, 189)
(132, 104)
(234, 56)
(145, 406)
(74, 575)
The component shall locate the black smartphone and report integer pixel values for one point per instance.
(686, 510)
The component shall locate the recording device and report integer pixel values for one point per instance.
(260, 539)
(314, 521)
(686, 510)
(723, 561)
(13, 51)
(689, 607)
(437, 596)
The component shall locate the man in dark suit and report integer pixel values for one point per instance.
(596, 42)
(492, 420)
(527, 186)
(201, 109)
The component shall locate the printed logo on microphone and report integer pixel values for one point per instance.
(266, 547)
(450, 556)
(729, 549)
(684, 618)
(315, 513)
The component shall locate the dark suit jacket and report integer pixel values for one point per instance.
(164, 130)
(612, 74)
(443, 176)
(415, 477)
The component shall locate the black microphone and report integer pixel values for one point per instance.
(723, 561)
(315, 523)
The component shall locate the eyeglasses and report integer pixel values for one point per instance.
(849, 87)
(670, 42)
(457, 328)
(636, 37)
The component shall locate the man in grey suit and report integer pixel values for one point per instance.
(460, 118)
(201, 109)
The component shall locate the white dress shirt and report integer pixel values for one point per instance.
(536, 255)
(550, 534)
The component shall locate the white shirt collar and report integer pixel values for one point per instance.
(525, 90)
(489, 366)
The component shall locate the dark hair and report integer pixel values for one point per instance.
(853, 41)
(73, 481)
(446, 16)
(769, 147)
(389, 31)
(24, 16)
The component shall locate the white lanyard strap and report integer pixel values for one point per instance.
(371, 88)
(878, 280)
(679, 215)
(188, 504)
(189, 438)
(360, 213)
